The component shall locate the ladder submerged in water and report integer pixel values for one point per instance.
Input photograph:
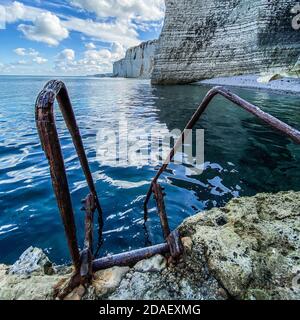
(84, 262)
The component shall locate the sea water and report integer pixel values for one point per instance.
(242, 157)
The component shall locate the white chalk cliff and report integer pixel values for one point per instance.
(138, 62)
(204, 39)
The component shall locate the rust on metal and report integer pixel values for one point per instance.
(45, 121)
(87, 252)
(84, 262)
(159, 198)
(175, 244)
(275, 123)
(130, 258)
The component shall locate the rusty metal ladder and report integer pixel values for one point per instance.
(84, 262)
(256, 111)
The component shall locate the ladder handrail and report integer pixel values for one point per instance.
(267, 118)
(84, 263)
(45, 121)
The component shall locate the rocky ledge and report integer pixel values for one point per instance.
(248, 250)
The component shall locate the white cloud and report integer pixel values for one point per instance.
(46, 28)
(40, 60)
(123, 32)
(18, 11)
(67, 54)
(90, 46)
(24, 67)
(118, 51)
(20, 52)
(143, 10)
(32, 54)
(118, 24)
(128, 16)
(93, 61)
(2, 17)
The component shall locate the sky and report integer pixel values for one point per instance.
(73, 37)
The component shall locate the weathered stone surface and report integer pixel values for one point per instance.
(189, 279)
(106, 281)
(138, 62)
(155, 264)
(63, 269)
(255, 251)
(33, 260)
(187, 243)
(77, 294)
(36, 287)
(169, 285)
(3, 270)
(204, 39)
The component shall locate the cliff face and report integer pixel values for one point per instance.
(204, 39)
(138, 62)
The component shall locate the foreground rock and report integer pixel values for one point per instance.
(204, 39)
(248, 250)
(189, 280)
(32, 261)
(37, 286)
(252, 246)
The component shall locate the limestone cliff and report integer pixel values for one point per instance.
(204, 39)
(138, 62)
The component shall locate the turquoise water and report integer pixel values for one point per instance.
(242, 157)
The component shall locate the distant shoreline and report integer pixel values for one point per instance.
(286, 85)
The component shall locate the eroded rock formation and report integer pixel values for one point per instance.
(138, 62)
(204, 39)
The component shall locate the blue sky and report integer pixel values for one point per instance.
(73, 37)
